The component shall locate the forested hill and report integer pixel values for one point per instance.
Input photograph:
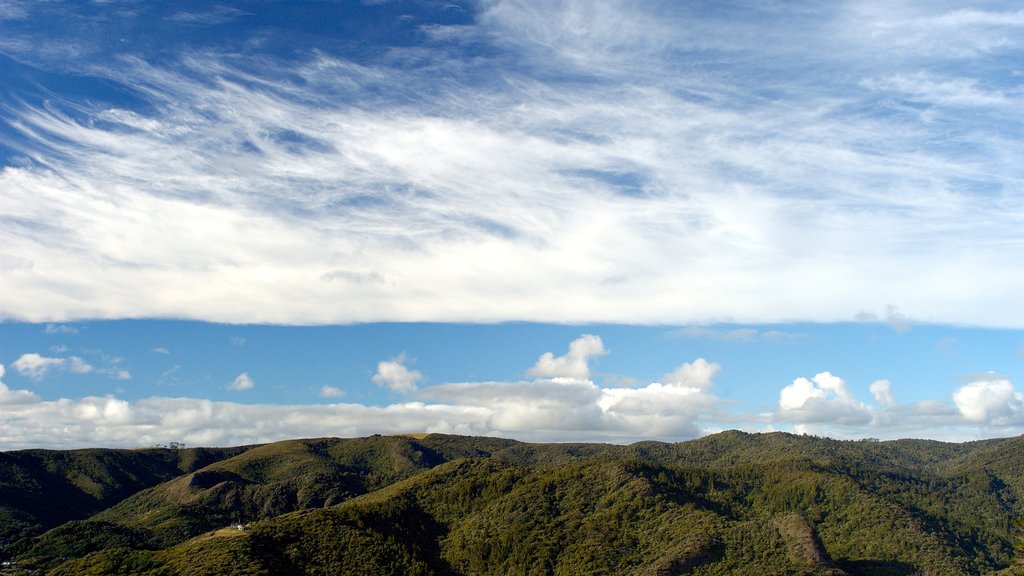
(731, 503)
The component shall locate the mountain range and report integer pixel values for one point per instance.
(728, 503)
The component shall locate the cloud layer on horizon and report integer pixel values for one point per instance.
(566, 162)
(559, 408)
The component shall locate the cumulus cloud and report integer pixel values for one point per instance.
(8, 396)
(544, 409)
(528, 408)
(78, 366)
(562, 408)
(822, 399)
(825, 405)
(578, 409)
(331, 392)
(574, 364)
(881, 390)
(992, 400)
(565, 404)
(395, 376)
(35, 366)
(110, 421)
(697, 374)
(242, 382)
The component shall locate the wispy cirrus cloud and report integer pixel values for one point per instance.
(607, 163)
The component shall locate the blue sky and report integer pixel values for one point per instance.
(243, 221)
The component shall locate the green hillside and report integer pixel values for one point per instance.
(41, 489)
(448, 505)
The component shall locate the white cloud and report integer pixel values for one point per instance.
(8, 396)
(697, 374)
(395, 376)
(822, 399)
(527, 408)
(331, 392)
(78, 366)
(647, 193)
(116, 373)
(60, 329)
(35, 366)
(574, 364)
(242, 382)
(564, 404)
(881, 390)
(545, 409)
(577, 409)
(824, 405)
(895, 319)
(737, 334)
(109, 421)
(161, 350)
(990, 401)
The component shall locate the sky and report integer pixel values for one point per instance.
(236, 222)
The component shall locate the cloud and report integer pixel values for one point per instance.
(372, 277)
(825, 405)
(161, 350)
(77, 365)
(527, 408)
(697, 374)
(10, 397)
(574, 364)
(395, 376)
(573, 408)
(116, 373)
(895, 319)
(242, 382)
(564, 404)
(331, 392)
(214, 16)
(13, 10)
(544, 409)
(596, 155)
(992, 400)
(822, 399)
(881, 390)
(681, 406)
(926, 88)
(60, 329)
(737, 334)
(113, 422)
(35, 366)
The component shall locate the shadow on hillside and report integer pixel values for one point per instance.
(876, 568)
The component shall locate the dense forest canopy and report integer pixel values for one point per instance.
(452, 505)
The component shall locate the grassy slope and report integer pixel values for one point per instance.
(41, 489)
